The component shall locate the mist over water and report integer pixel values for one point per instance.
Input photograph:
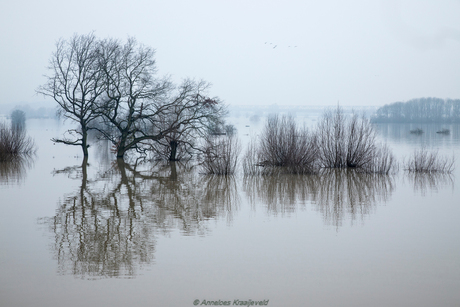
(103, 231)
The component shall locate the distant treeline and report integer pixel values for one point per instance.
(419, 110)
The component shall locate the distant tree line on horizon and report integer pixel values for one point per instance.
(420, 110)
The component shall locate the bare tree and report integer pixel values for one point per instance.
(75, 83)
(131, 92)
(190, 115)
(138, 108)
(110, 86)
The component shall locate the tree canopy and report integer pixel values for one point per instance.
(112, 87)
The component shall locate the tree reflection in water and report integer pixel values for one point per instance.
(108, 227)
(339, 194)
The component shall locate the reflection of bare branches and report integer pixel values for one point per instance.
(337, 193)
(107, 227)
(220, 195)
(347, 194)
(15, 168)
(429, 181)
(282, 192)
(96, 235)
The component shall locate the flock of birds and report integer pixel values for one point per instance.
(269, 44)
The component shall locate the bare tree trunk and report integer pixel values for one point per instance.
(84, 139)
(172, 156)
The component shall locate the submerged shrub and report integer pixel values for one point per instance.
(283, 144)
(382, 162)
(351, 143)
(14, 141)
(251, 160)
(425, 161)
(221, 155)
(345, 142)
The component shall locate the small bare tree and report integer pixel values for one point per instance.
(75, 83)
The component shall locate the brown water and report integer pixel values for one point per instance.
(107, 233)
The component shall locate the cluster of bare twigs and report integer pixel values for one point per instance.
(351, 143)
(424, 161)
(14, 141)
(221, 155)
(339, 142)
(282, 145)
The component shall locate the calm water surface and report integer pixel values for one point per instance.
(105, 233)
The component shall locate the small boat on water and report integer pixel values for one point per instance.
(416, 131)
(443, 131)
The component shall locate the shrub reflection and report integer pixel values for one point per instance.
(14, 169)
(424, 182)
(339, 194)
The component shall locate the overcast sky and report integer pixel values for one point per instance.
(355, 52)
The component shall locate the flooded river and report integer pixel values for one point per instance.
(107, 233)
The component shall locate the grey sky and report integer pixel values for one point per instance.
(355, 52)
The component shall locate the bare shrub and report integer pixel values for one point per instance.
(382, 162)
(283, 144)
(14, 142)
(360, 142)
(351, 143)
(332, 139)
(425, 161)
(221, 155)
(251, 159)
(14, 168)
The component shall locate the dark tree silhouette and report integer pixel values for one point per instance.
(75, 83)
(139, 109)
